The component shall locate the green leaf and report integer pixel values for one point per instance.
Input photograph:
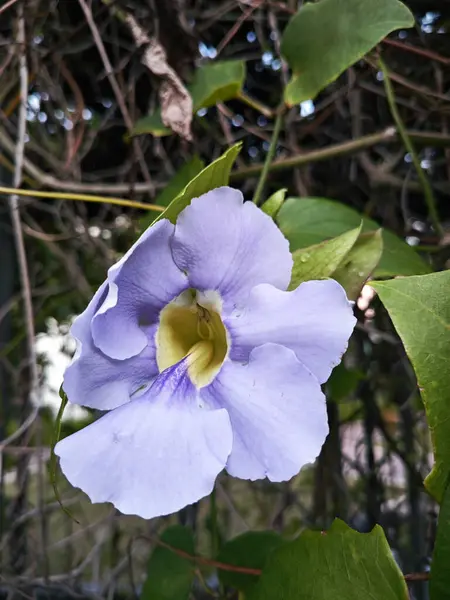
(420, 310)
(250, 550)
(214, 175)
(149, 124)
(307, 221)
(360, 263)
(169, 575)
(213, 83)
(325, 38)
(342, 382)
(321, 260)
(217, 82)
(340, 564)
(440, 572)
(273, 204)
(178, 182)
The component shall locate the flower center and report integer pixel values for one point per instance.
(191, 326)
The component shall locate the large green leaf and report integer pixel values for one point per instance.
(214, 175)
(420, 310)
(321, 260)
(250, 550)
(169, 575)
(340, 564)
(307, 221)
(178, 182)
(324, 38)
(213, 83)
(440, 571)
(360, 263)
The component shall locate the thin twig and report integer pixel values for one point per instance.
(115, 86)
(423, 179)
(14, 208)
(24, 274)
(81, 198)
(7, 5)
(420, 51)
(59, 184)
(327, 153)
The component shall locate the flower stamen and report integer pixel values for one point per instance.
(189, 329)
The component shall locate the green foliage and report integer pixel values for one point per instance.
(343, 382)
(349, 258)
(440, 572)
(178, 182)
(217, 82)
(214, 175)
(420, 310)
(307, 221)
(321, 260)
(273, 204)
(169, 575)
(360, 263)
(325, 38)
(252, 550)
(213, 83)
(340, 564)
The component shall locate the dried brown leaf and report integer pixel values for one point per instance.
(176, 102)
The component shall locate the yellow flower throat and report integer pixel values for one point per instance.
(193, 330)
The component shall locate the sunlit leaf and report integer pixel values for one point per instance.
(321, 260)
(307, 221)
(273, 204)
(214, 175)
(178, 182)
(420, 310)
(324, 38)
(360, 263)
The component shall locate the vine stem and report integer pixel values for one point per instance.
(423, 179)
(221, 566)
(270, 154)
(81, 197)
(215, 543)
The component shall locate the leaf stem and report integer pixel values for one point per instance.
(81, 197)
(423, 179)
(214, 522)
(270, 154)
(262, 108)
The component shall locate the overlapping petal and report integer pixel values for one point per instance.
(315, 321)
(277, 412)
(154, 455)
(139, 286)
(98, 381)
(229, 246)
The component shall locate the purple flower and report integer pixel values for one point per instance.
(204, 361)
